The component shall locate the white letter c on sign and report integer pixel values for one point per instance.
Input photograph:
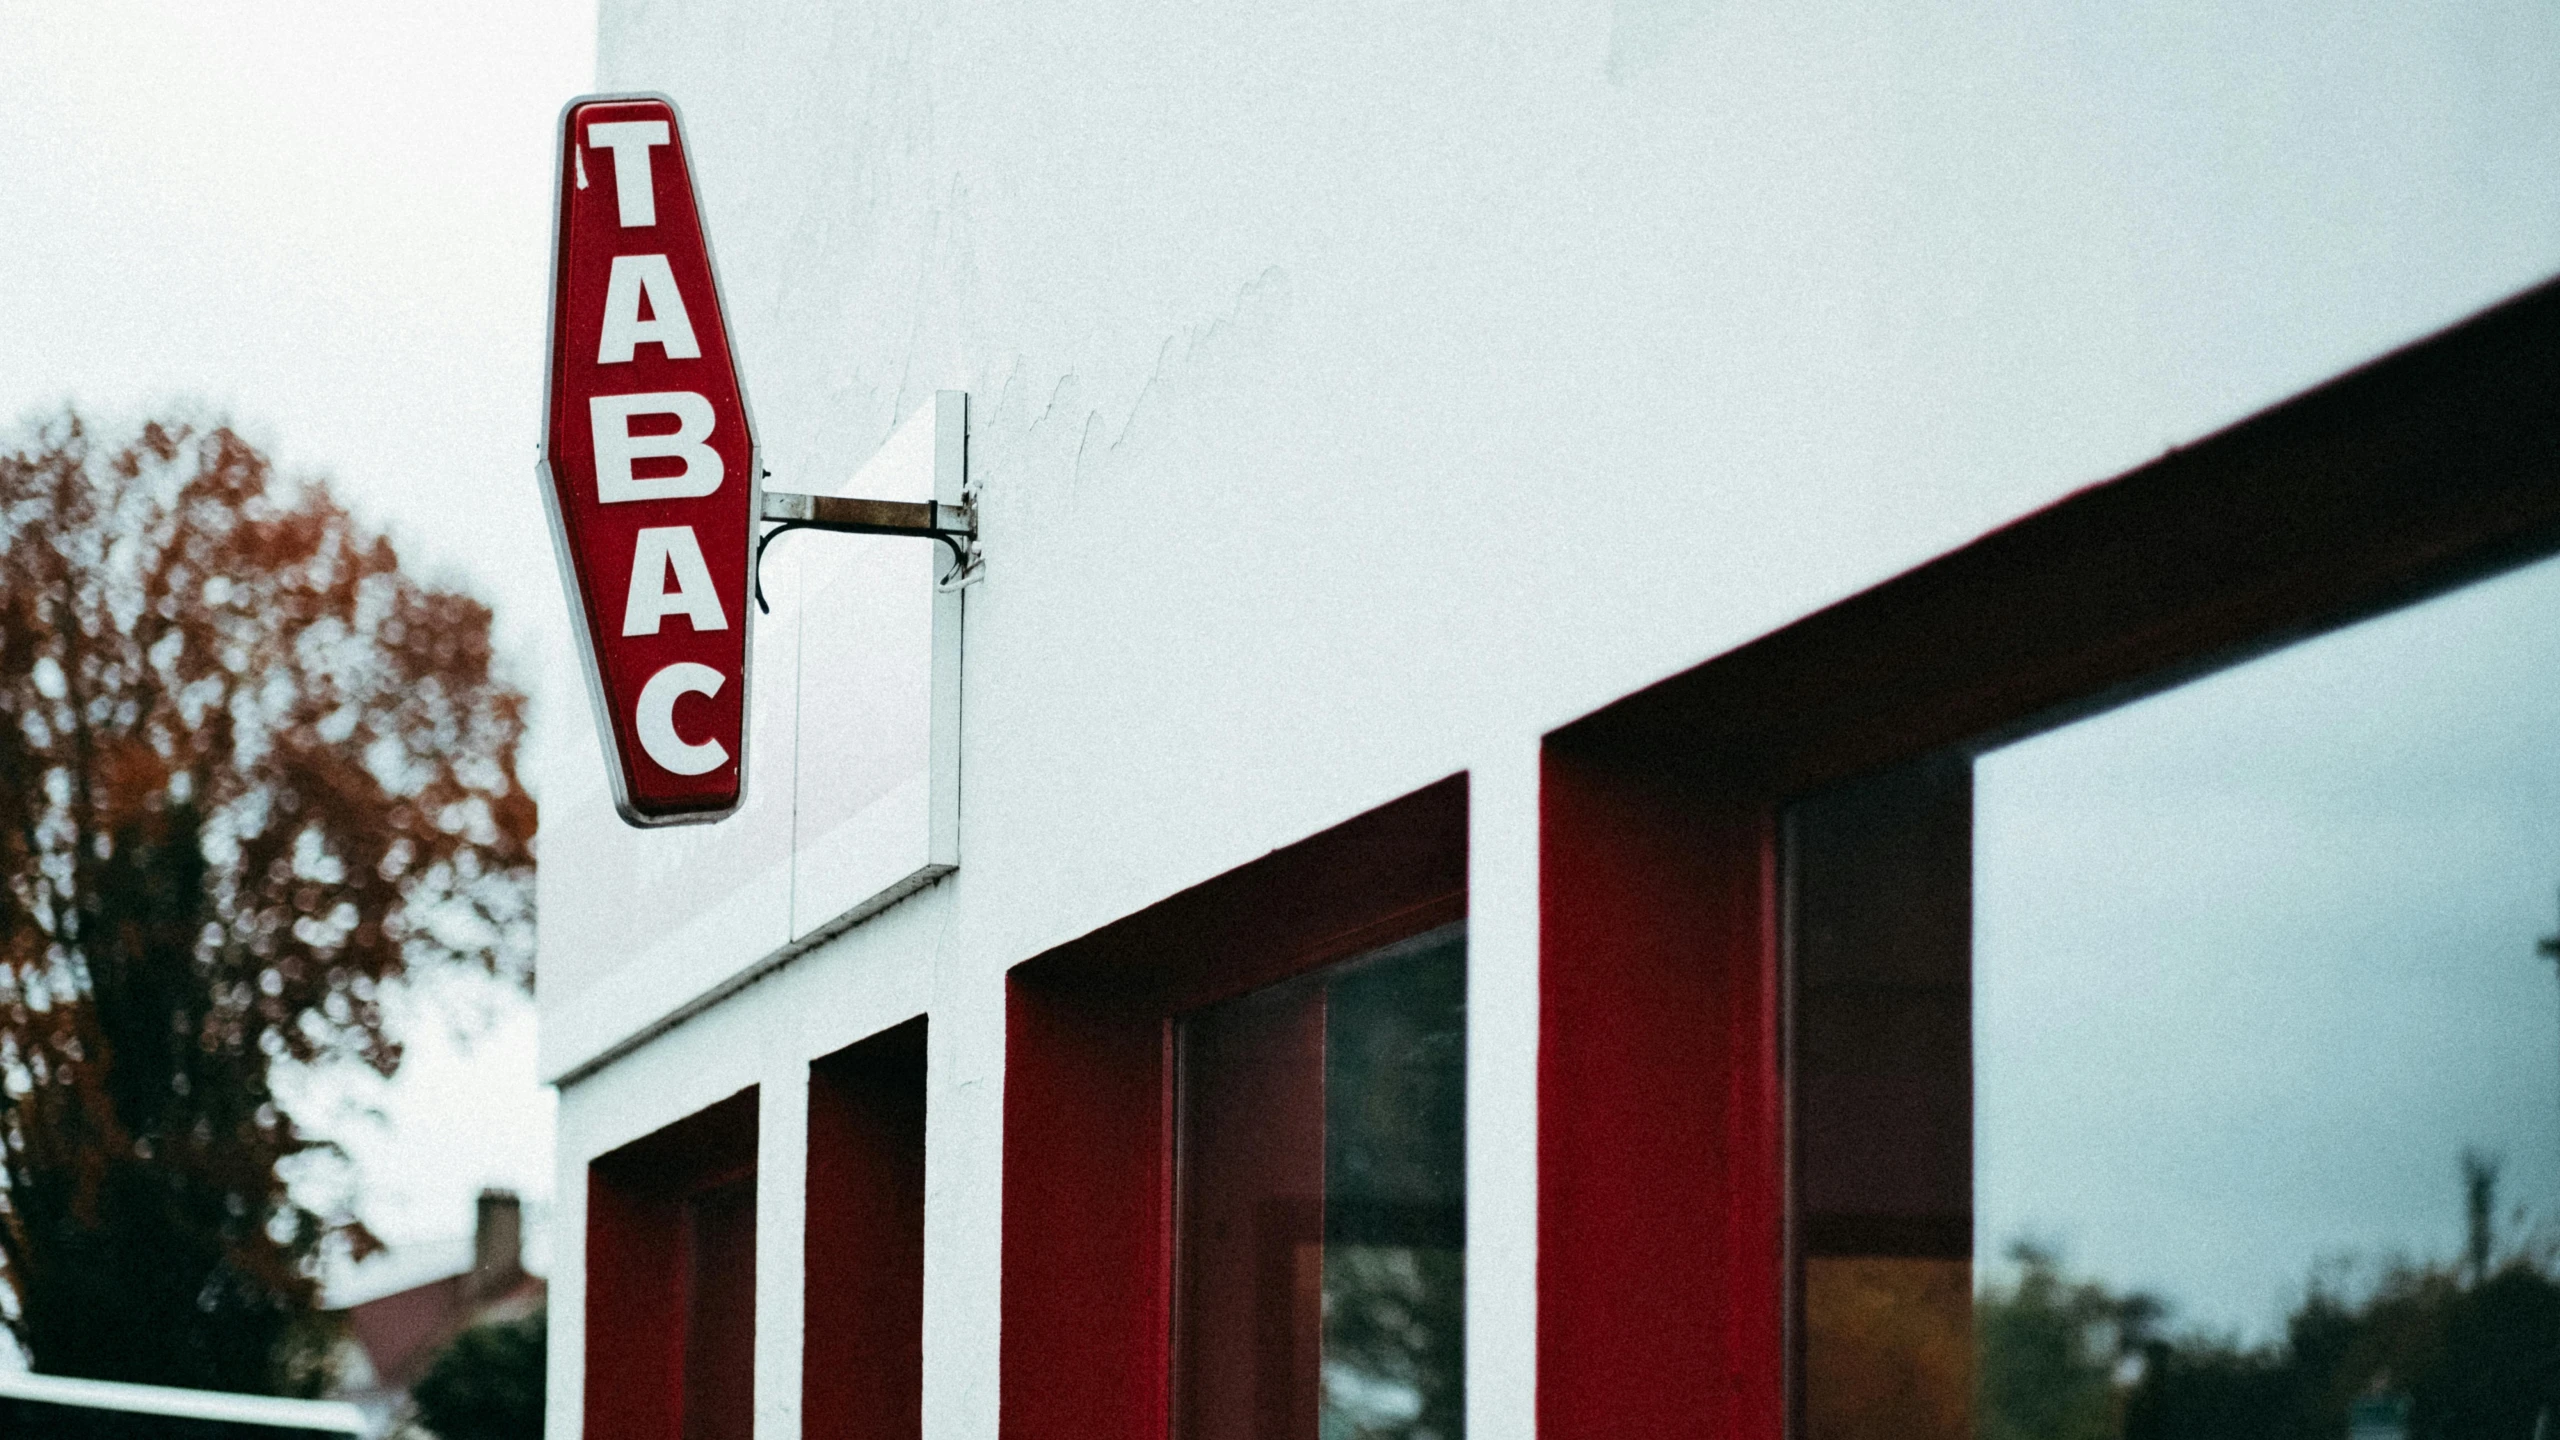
(656, 719)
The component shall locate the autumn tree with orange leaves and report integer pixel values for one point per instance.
(251, 773)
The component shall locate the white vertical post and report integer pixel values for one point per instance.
(942, 765)
(564, 1411)
(1502, 1094)
(963, 1190)
(782, 1184)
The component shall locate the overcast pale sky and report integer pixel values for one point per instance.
(2255, 961)
(327, 222)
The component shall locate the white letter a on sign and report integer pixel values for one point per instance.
(624, 331)
(661, 549)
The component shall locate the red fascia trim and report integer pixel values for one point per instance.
(2426, 469)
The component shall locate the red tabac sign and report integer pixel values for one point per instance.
(649, 463)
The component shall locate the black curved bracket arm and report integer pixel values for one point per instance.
(953, 525)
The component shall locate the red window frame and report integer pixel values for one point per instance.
(668, 1356)
(1664, 1225)
(1088, 1241)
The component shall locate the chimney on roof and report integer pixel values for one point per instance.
(497, 1242)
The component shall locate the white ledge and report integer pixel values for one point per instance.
(331, 1415)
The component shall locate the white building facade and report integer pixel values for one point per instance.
(1353, 400)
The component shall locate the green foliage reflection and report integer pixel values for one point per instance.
(1395, 1196)
(2432, 1352)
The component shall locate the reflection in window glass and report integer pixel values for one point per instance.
(2264, 1060)
(1320, 1204)
(1880, 950)
(2256, 971)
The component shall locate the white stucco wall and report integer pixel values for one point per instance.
(1361, 390)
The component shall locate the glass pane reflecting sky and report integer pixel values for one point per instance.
(2254, 962)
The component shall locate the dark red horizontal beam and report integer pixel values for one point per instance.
(2429, 467)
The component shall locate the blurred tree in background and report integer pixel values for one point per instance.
(250, 772)
(487, 1384)
(2050, 1350)
(2445, 1354)
(2461, 1350)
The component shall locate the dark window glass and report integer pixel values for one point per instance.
(1321, 1204)
(1880, 947)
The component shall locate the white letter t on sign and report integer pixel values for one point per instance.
(629, 140)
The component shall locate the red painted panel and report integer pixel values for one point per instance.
(635, 1355)
(670, 1257)
(1087, 1220)
(862, 1357)
(1661, 1171)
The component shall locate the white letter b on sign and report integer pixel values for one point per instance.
(655, 719)
(617, 447)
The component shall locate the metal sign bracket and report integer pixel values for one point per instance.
(953, 525)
